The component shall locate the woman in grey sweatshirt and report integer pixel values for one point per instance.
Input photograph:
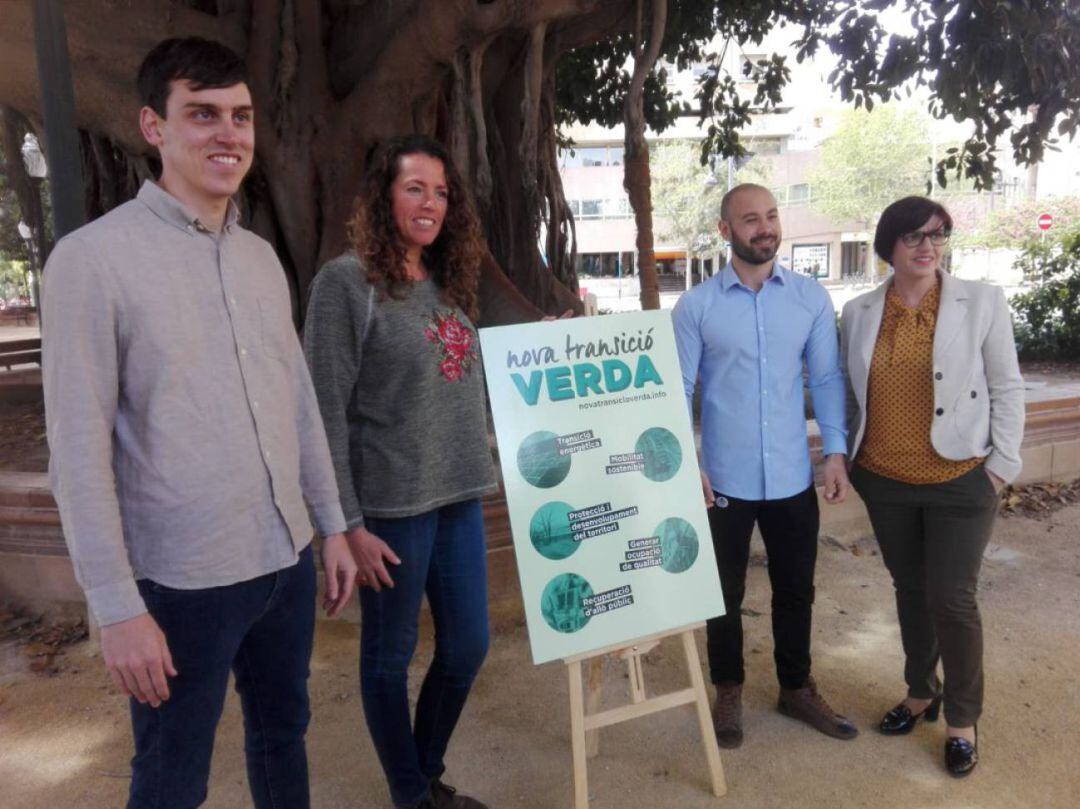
(395, 360)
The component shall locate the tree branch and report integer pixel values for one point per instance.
(107, 43)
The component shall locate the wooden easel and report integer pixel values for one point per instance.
(585, 726)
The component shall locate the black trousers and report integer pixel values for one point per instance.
(932, 538)
(789, 527)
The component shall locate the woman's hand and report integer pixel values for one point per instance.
(340, 569)
(371, 555)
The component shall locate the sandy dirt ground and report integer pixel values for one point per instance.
(64, 740)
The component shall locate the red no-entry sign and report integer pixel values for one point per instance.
(1045, 221)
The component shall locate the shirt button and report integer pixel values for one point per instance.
(243, 352)
(232, 301)
(764, 393)
(255, 404)
(940, 411)
(937, 375)
(973, 394)
(267, 454)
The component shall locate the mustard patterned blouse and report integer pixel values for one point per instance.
(900, 397)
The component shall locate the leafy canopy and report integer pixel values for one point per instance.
(873, 159)
(984, 61)
(688, 197)
(1016, 226)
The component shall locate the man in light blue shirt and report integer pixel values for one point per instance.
(746, 334)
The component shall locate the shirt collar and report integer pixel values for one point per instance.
(730, 278)
(927, 309)
(171, 210)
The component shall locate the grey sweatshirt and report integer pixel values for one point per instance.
(401, 390)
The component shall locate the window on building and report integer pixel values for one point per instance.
(617, 208)
(799, 194)
(603, 265)
(750, 65)
(765, 146)
(593, 155)
(591, 208)
(852, 259)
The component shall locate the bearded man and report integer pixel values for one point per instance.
(745, 334)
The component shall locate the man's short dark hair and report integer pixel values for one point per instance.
(905, 216)
(203, 63)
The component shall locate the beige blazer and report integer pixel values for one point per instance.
(978, 390)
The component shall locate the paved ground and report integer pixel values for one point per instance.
(64, 740)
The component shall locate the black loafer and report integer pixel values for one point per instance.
(901, 720)
(961, 756)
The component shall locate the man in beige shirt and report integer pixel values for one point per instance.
(188, 457)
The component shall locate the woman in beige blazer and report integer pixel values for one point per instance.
(935, 419)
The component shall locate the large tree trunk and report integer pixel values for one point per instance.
(636, 178)
(330, 80)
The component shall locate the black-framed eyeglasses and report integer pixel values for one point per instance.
(915, 238)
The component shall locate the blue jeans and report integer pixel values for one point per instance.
(442, 553)
(262, 630)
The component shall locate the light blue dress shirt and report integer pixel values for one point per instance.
(748, 349)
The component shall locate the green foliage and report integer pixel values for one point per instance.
(682, 196)
(873, 159)
(12, 246)
(13, 280)
(1016, 226)
(591, 84)
(1048, 317)
(591, 81)
(987, 62)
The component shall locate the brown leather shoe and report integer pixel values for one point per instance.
(727, 715)
(807, 705)
(444, 796)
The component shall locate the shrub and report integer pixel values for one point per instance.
(1047, 319)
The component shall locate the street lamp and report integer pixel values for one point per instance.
(32, 157)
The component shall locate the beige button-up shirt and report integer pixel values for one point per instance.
(184, 433)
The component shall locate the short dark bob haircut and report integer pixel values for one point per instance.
(202, 62)
(905, 216)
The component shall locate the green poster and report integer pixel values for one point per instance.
(601, 480)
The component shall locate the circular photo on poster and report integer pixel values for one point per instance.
(549, 530)
(663, 455)
(678, 544)
(539, 461)
(561, 603)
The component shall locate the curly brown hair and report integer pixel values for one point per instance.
(452, 260)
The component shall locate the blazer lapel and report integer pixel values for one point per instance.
(869, 325)
(951, 313)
